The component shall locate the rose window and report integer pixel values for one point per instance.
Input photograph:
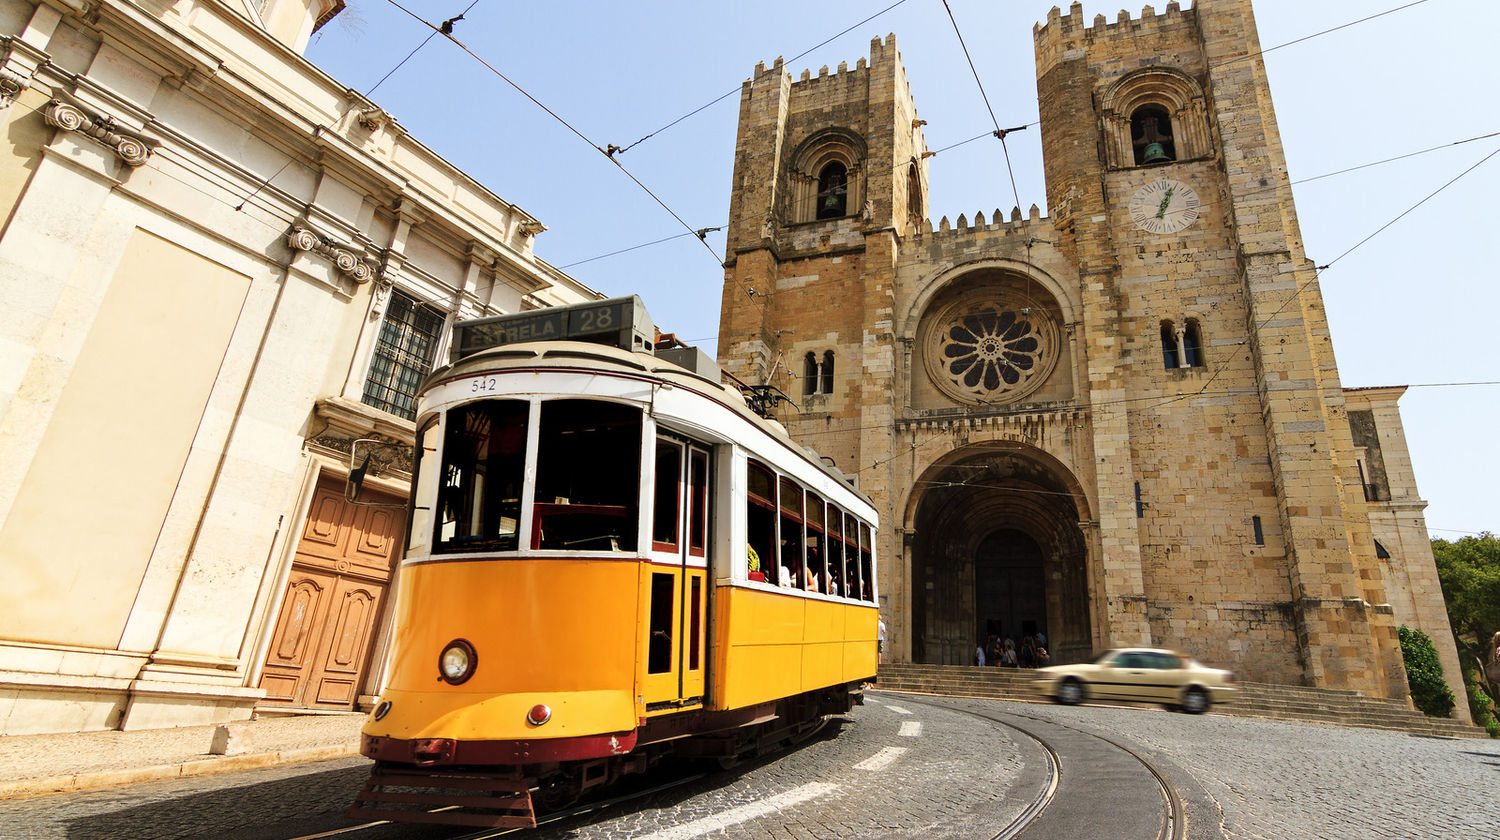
(996, 348)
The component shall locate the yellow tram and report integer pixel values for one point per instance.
(610, 558)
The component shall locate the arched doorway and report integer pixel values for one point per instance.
(997, 548)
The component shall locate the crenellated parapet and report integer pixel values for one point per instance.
(1065, 37)
(1031, 223)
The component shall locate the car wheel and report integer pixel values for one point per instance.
(1195, 701)
(1070, 692)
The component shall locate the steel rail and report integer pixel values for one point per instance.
(1173, 828)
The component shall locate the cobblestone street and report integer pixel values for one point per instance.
(900, 767)
(1276, 781)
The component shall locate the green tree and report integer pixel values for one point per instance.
(1469, 571)
(1424, 673)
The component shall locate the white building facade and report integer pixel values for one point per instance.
(219, 270)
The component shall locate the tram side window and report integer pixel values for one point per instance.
(866, 564)
(484, 460)
(588, 467)
(791, 572)
(668, 484)
(817, 546)
(838, 555)
(698, 506)
(760, 524)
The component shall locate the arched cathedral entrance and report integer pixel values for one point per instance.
(997, 548)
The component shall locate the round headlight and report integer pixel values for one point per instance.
(457, 662)
(382, 710)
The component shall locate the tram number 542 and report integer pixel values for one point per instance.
(483, 385)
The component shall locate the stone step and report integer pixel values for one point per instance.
(1258, 700)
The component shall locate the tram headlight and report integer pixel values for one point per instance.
(457, 662)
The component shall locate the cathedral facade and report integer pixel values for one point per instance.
(1120, 423)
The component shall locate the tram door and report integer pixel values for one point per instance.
(677, 620)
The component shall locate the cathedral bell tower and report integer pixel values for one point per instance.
(1218, 417)
(828, 177)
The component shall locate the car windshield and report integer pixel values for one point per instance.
(1106, 657)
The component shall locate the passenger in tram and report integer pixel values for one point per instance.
(811, 582)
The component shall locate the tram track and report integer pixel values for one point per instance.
(1055, 797)
(1087, 780)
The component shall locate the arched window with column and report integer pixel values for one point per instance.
(817, 373)
(826, 177)
(1169, 357)
(1155, 116)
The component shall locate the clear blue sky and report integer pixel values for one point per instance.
(1414, 305)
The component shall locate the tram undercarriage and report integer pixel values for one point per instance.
(431, 789)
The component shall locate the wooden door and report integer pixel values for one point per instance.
(320, 648)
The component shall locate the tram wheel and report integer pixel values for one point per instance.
(557, 792)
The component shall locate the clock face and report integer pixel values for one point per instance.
(1164, 206)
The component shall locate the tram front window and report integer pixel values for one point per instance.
(484, 460)
(587, 476)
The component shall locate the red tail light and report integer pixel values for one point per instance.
(539, 715)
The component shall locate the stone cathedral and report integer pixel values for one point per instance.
(1120, 423)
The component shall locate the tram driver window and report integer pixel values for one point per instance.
(588, 468)
(484, 460)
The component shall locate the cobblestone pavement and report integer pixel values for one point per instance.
(1275, 780)
(894, 771)
(899, 768)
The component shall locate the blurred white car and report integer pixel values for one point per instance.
(1142, 674)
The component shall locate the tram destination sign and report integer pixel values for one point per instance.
(618, 322)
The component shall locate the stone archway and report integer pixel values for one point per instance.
(997, 547)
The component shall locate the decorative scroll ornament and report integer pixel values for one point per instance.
(131, 148)
(996, 347)
(342, 256)
(11, 87)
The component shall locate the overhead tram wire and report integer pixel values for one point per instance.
(565, 124)
(999, 132)
(1394, 159)
(1316, 34)
(623, 149)
(447, 24)
(702, 231)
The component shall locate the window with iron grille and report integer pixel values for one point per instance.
(403, 355)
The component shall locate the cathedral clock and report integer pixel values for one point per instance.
(1164, 206)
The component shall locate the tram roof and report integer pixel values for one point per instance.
(588, 356)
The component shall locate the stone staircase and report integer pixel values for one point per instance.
(1261, 700)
